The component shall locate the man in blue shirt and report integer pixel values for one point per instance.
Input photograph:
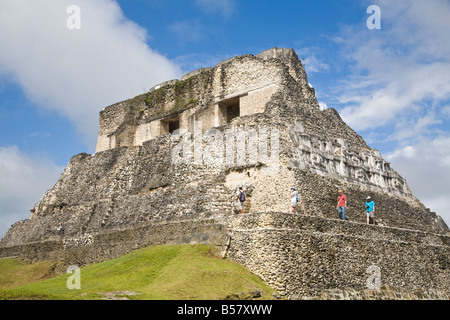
(370, 208)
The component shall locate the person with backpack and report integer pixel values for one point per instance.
(342, 205)
(240, 199)
(370, 209)
(294, 200)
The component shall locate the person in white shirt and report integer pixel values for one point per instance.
(294, 200)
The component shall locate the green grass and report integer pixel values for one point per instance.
(15, 273)
(181, 272)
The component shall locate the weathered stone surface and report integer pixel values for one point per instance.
(168, 164)
(303, 256)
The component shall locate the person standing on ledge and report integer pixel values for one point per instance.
(240, 199)
(342, 205)
(294, 200)
(370, 208)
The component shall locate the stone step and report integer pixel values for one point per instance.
(247, 205)
(297, 222)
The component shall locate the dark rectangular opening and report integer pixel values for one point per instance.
(170, 125)
(233, 111)
(230, 109)
(174, 125)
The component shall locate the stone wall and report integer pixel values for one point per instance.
(197, 97)
(125, 186)
(334, 159)
(92, 248)
(121, 188)
(147, 186)
(303, 256)
(384, 293)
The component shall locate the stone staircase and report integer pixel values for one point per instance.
(247, 205)
(303, 256)
(224, 200)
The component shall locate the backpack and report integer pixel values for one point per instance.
(241, 196)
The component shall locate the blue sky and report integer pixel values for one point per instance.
(391, 85)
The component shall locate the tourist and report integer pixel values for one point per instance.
(342, 205)
(294, 200)
(370, 208)
(240, 199)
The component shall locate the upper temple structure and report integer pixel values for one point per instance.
(168, 164)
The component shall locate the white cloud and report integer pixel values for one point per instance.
(188, 31)
(445, 112)
(224, 7)
(309, 59)
(401, 95)
(426, 167)
(77, 72)
(323, 106)
(23, 181)
(414, 21)
(194, 61)
(398, 92)
(313, 64)
(398, 69)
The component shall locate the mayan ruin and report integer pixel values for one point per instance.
(168, 165)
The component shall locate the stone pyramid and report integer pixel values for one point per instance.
(168, 165)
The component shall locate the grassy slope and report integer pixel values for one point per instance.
(183, 272)
(15, 273)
